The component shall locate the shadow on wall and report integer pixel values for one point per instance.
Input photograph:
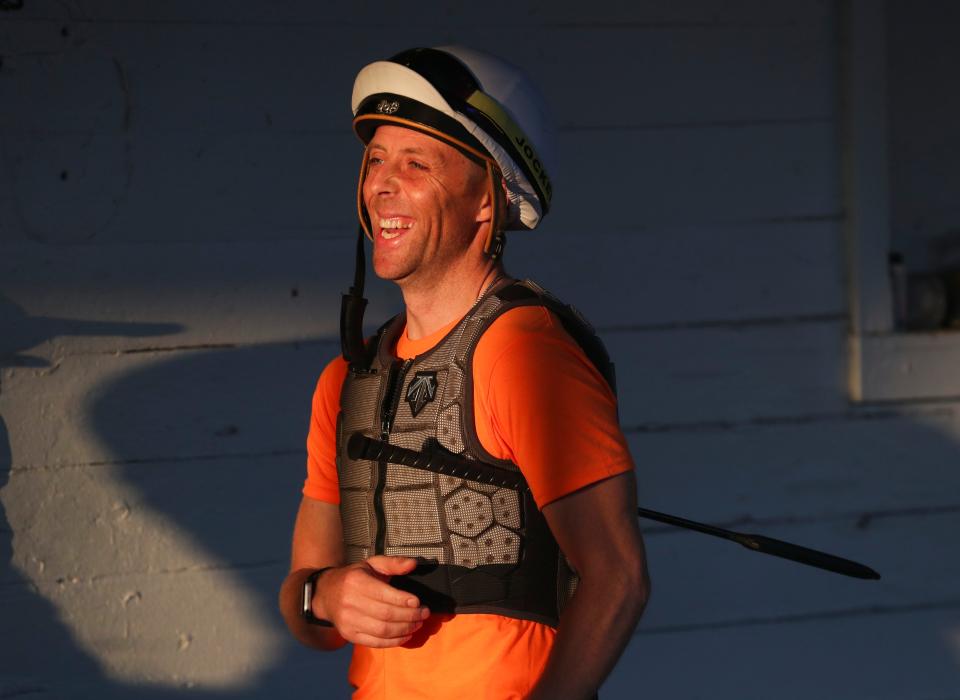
(210, 445)
(246, 407)
(22, 332)
(206, 457)
(32, 631)
(33, 634)
(211, 505)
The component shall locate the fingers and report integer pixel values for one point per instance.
(365, 608)
(378, 643)
(366, 581)
(394, 614)
(392, 566)
(369, 623)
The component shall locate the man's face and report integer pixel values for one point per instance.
(425, 200)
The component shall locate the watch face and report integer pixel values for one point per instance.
(306, 609)
(307, 598)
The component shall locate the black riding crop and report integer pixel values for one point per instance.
(440, 461)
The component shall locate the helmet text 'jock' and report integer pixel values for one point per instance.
(534, 162)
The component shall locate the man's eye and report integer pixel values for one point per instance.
(417, 165)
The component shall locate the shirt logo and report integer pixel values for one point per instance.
(387, 106)
(421, 391)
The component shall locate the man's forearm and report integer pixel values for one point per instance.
(594, 629)
(316, 636)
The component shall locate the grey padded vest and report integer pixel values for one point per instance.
(482, 548)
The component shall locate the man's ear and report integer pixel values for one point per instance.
(486, 212)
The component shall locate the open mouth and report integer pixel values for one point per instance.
(393, 226)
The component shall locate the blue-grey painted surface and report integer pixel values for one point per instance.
(176, 224)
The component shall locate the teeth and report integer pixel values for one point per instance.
(386, 234)
(394, 223)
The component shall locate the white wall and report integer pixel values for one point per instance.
(176, 226)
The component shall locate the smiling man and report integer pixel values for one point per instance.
(468, 520)
(425, 201)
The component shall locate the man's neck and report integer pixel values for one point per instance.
(431, 307)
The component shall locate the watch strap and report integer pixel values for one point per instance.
(306, 608)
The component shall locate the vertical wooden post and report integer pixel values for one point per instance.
(863, 139)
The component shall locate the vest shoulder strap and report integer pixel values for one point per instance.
(529, 293)
(381, 341)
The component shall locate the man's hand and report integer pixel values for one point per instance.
(356, 598)
(364, 607)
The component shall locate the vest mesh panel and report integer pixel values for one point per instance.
(490, 548)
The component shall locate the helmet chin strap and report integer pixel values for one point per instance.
(353, 304)
(496, 239)
(352, 307)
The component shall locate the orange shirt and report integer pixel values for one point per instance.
(539, 402)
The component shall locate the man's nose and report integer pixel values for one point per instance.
(382, 179)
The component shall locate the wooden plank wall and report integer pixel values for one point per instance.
(176, 224)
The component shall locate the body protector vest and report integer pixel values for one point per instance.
(483, 545)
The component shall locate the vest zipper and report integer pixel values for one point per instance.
(388, 410)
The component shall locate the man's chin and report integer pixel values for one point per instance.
(391, 273)
(393, 268)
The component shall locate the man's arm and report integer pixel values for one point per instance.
(364, 608)
(597, 529)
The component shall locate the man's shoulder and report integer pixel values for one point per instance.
(521, 325)
(532, 312)
(543, 338)
(522, 335)
(332, 376)
(337, 365)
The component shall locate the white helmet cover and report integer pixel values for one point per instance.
(476, 102)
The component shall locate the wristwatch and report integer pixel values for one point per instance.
(306, 607)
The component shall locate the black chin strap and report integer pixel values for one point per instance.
(497, 222)
(352, 306)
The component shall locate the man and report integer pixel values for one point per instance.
(455, 584)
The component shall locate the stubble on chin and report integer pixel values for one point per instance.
(390, 267)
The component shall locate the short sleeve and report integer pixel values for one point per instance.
(322, 483)
(543, 405)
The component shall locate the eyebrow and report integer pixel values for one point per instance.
(415, 150)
